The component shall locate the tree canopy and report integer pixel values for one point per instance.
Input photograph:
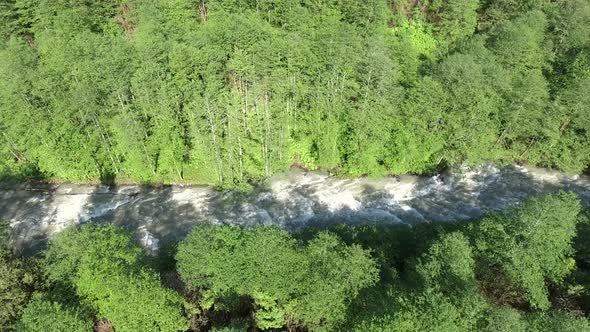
(229, 92)
(526, 269)
(289, 283)
(107, 272)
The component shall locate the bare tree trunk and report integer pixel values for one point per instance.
(214, 139)
(106, 142)
(203, 11)
(267, 141)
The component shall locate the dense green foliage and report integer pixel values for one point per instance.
(227, 92)
(309, 286)
(107, 273)
(492, 274)
(18, 279)
(524, 270)
(43, 315)
(528, 248)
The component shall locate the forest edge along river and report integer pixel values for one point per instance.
(289, 200)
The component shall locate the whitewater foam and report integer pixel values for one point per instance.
(291, 200)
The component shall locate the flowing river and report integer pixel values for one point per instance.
(291, 200)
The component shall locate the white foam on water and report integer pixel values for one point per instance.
(290, 200)
(335, 199)
(65, 211)
(148, 241)
(401, 190)
(183, 194)
(103, 209)
(543, 175)
(197, 197)
(281, 190)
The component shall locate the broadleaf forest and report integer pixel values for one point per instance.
(227, 93)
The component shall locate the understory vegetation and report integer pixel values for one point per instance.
(527, 269)
(227, 92)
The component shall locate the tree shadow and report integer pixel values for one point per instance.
(154, 213)
(108, 178)
(25, 204)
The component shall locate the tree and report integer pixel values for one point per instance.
(418, 142)
(227, 93)
(454, 19)
(288, 283)
(449, 289)
(18, 279)
(573, 28)
(503, 319)
(16, 284)
(105, 268)
(570, 139)
(440, 294)
(336, 275)
(448, 267)
(473, 106)
(557, 321)
(522, 47)
(42, 314)
(518, 252)
(496, 12)
(135, 302)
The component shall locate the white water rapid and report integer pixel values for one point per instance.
(291, 200)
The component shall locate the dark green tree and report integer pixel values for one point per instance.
(288, 283)
(519, 252)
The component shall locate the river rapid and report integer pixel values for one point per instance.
(291, 200)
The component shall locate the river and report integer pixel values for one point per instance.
(291, 200)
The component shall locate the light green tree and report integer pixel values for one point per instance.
(528, 247)
(105, 269)
(42, 314)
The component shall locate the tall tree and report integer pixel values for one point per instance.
(526, 248)
(288, 283)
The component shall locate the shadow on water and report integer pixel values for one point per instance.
(151, 213)
(25, 204)
(161, 215)
(486, 192)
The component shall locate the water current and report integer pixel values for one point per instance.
(290, 200)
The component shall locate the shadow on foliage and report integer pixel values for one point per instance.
(108, 178)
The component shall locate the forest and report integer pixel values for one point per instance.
(228, 92)
(524, 270)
